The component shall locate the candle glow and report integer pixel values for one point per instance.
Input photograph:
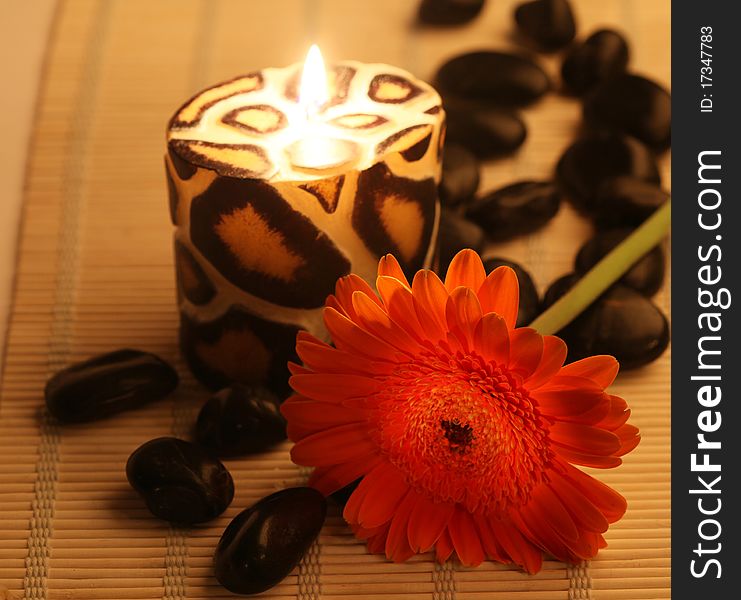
(313, 92)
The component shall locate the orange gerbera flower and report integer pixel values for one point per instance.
(463, 429)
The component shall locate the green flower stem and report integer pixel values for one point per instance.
(605, 273)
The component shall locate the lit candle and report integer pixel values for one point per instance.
(280, 182)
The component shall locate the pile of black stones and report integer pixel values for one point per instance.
(609, 174)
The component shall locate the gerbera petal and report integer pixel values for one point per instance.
(582, 510)
(608, 501)
(588, 460)
(296, 369)
(466, 269)
(334, 387)
(539, 530)
(552, 358)
(601, 369)
(388, 266)
(443, 547)
(323, 358)
(364, 533)
(567, 400)
(377, 542)
(544, 506)
(519, 548)
(492, 547)
(430, 299)
(349, 337)
(332, 302)
(500, 294)
(463, 313)
(319, 414)
(397, 542)
(386, 488)
(584, 438)
(399, 302)
(568, 396)
(334, 446)
(347, 286)
(491, 339)
(305, 336)
(427, 521)
(465, 538)
(376, 321)
(296, 431)
(332, 478)
(525, 351)
(629, 439)
(617, 414)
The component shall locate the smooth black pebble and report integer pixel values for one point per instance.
(180, 481)
(449, 12)
(240, 420)
(515, 209)
(108, 384)
(603, 55)
(455, 234)
(488, 134)
(460, 178)
(645, 276)
(549, 24)
(494, 78)
(634, 105)
(265, 542)
(596, 157)
(626, 201)
(529, 307)
(621, 322)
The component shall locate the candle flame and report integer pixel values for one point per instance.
(313, 93)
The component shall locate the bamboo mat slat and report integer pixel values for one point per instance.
(95, 273)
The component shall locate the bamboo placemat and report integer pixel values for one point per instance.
(95, 273)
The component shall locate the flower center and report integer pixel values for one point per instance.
(462, 430)
(459, 436)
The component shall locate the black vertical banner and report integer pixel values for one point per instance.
(706, 261)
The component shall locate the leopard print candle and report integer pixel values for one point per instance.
(270, 209)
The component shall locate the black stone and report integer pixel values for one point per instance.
(108, 384)
(264, 543)
(621, 322)
(645, 276)
(496, 78)
(634, 105)
(549, 24)
(596, 157)
(460, 178)
(515, 209)
(603, 55)
(455, 234)
(449, 12)
(240, 420)
(626, 201)
(179, 481)
(529, 307)
(488, 134)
